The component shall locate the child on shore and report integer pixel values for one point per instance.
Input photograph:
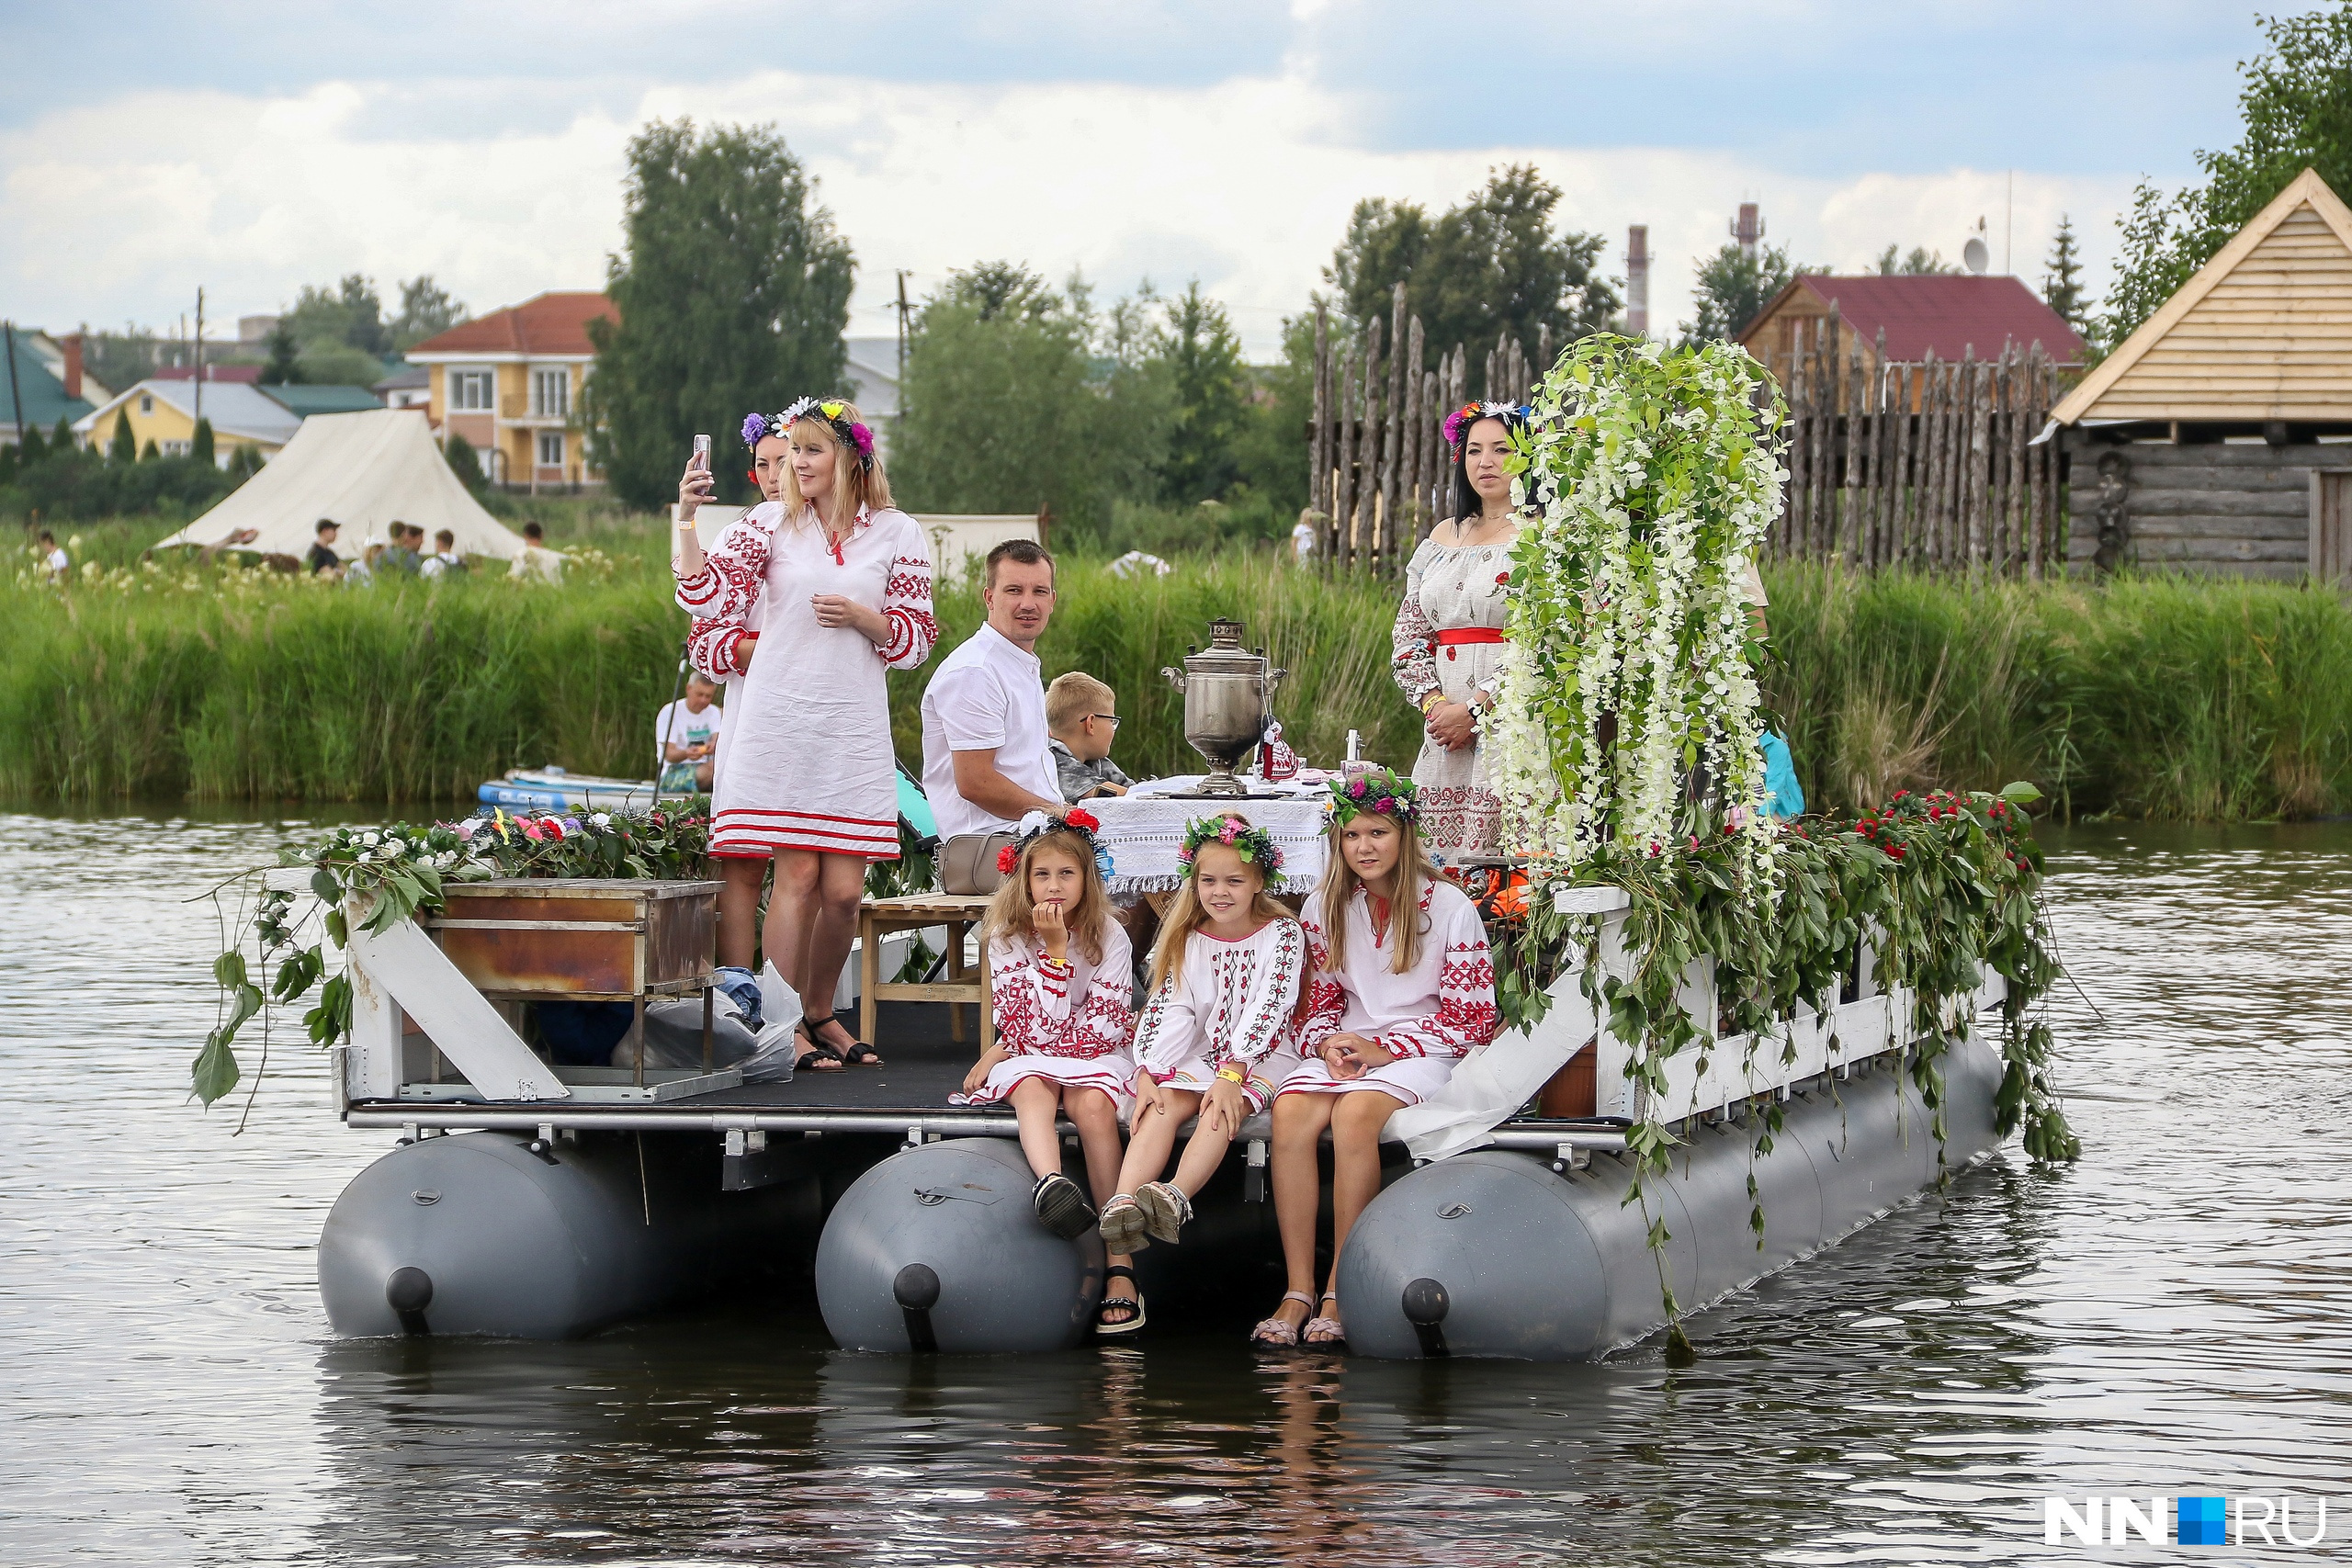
(1402, 986)
(1081, 720)
(1216, 1036)
(1059, 980)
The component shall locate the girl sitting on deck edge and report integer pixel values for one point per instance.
(1402, 987)
(1059, 975)
(1219, 1033)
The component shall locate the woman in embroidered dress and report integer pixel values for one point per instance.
(838, 581)
(1060, 980)
(1401, 988)
(1217, 1034)
(1448, 633)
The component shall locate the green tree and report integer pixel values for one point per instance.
(200, 446)
(351, 313)
(148, 454)
(1733, 288)
(326, 362)
(124, 447)
(1491, 265)
(1921, 263)
(1210, 381)
(30, 447)
(284, 366)
(1271, 452)
(997, 412)
(732, 295)
(426, 310)
(2297, 107)
(2061, 279)
(466, 463)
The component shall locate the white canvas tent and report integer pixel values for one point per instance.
(366, 471)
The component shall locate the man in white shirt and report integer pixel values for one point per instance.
(985, 762)
(537, 561)
(688, 734)
(444, 559)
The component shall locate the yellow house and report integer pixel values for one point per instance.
(509, 384)
(165, 412)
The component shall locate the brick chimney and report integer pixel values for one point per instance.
(72, 344)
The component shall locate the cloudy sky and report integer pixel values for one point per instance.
(252, 146)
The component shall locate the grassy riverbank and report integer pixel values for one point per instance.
(2159, 698)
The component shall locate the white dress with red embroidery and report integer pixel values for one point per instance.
(1432, 1015)
(1449, 587)
(1070, 1022)
(1230, 1002)
(809, 764)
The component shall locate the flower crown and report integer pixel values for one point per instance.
(1382, 790)
(1254, 845)
(1085, 824)
(853, 433)
(1468, 414)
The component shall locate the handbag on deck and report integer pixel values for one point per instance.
(967, 864)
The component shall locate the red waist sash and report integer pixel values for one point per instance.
(1469, 634)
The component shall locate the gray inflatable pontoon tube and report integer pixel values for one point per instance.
(496, 1234)
(937, 1248)
(1493, 1253)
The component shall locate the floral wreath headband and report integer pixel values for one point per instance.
(1512, 415)
(1383, 791)
(853, 433)
(1254, 845)
(1036, 825)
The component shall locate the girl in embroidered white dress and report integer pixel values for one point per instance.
(1449, 634)
(1060, 978)
(1219, 1033)
(1401, 988)
(839, 583)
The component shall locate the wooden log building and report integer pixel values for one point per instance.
(2218, 438)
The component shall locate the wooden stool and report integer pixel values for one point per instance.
(917, 912)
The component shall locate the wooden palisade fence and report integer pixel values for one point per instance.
(1377, 441)
(1927, 465)
(1930, 466)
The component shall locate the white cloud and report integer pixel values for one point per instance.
(119, 211)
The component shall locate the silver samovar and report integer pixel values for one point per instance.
(1229, 701)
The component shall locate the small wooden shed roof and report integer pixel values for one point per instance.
(2262, 333)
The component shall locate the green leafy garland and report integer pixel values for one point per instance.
(1625, 747)
(395, 871)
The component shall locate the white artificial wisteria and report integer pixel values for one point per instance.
(1653, 474)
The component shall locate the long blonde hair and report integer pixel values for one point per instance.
(1012, 913)
(1413, 873)
(1188, 915)
(855, 484)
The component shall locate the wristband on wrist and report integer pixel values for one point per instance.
(1229, 1074)
(1431, 701)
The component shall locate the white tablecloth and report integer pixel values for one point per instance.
(1144, 830)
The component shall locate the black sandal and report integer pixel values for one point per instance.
(857, 1054)
(1104, 1326)
(819, 1057)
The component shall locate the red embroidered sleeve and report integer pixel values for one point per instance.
(727, 586)
(1037, 1014)
(906, 605)
(1465, 1017)
(1327, 999)
(1413, 641)
(1263, 1020)
(710, 648)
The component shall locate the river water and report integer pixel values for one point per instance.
(2170, 1316)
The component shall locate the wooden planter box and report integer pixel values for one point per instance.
(581, 940)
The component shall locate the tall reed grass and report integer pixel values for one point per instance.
(2152, 697)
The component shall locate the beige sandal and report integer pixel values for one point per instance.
(1273, 1332)
(1120, 1226)
(1334, 1333)
(1166, 1210)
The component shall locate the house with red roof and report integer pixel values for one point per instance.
(510, 383)
(1949, 315)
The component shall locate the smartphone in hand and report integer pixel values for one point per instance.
(702, 453)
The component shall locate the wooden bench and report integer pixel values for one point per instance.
(916, 911)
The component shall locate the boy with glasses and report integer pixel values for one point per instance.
(1082, 721)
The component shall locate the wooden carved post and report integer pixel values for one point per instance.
(1410, 517)
(1393, 435)
(1318, 429)
(1544, 355)
(1905, 484)
(1343, 499)
(1976, 457)
(1852, 510)
(2021, 553)
(1931, 461)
